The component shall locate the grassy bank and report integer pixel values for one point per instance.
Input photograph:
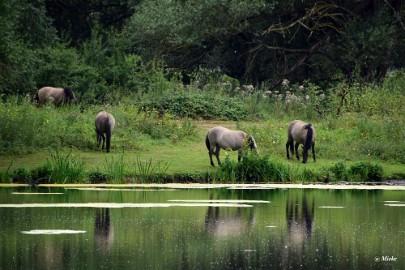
(160, 135)
(187, 160)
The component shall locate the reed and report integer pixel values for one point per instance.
(65, 168)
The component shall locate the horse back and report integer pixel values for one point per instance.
(104, 122)
(50, 93)
(226, 138)
(298, 131)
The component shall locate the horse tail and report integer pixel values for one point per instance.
(108, 133)
(36, 98)
(207, 143)
(310, 135)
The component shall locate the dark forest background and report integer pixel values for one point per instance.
(99, 47)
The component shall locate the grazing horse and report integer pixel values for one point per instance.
(105, 123)
(220, 137)
(304, 133)
(57, 95)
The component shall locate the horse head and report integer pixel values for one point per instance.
(69, 95)
(251, 143)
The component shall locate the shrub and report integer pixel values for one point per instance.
(254, 168)
(98, 177)
(339, 172)
(21, 175)
(195, 105)
(41, 175)
(365, 171)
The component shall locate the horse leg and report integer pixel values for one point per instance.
(239, 154)
(210, 155)
(98, 137)
(289, 147)
(313, 151)
(217, 149)
(296, 150)
(103, 137)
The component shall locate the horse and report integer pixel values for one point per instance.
(104, 123)
(301, 133)
(57, 95)
(220, 137)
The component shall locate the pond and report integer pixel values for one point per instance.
(221, 228)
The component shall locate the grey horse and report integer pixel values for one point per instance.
(220, 137)
(57, 95)
(301, 133)
(104, 123)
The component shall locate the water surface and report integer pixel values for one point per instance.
(145, 228)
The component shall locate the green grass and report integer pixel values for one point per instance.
(155, 141)
(190, 156)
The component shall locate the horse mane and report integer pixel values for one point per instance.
(68, 93)
(310, 134)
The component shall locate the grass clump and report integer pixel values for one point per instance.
(65, 168)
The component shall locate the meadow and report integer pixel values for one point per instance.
(160, 135)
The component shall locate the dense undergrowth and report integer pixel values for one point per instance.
(359, 124)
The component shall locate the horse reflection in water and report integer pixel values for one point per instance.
(228, 222)
(300, 220)
(103, 230)
(300, 228)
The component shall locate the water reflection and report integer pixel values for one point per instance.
(283, 234)
(300, 219)
(103, 230)
(226, 223)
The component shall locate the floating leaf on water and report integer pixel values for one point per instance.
(220, 201)
(249, 188)
(331, 207)
(271, 226)
(119, 189)
(118, 205)
(37, 193)
(395, 204)
(52, 232)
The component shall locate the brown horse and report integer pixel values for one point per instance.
(301, 133)
(104, 123)
(58, 96)
(220, 137)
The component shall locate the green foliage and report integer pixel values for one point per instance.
(26, 128)
(98, 177)
(41, 174)
(196, 105)
(254, 168)
(115, 168)
(365, 171)
(65, 168)
(149, 171)
(339, 172)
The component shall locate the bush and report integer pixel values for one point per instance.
(339, 172)
(195, 105)
(254, 168)
(365, 171)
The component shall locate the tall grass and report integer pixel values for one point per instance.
(25, 128)
(148, 171)
(65, 168)
(115, 167)
(262, 169)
